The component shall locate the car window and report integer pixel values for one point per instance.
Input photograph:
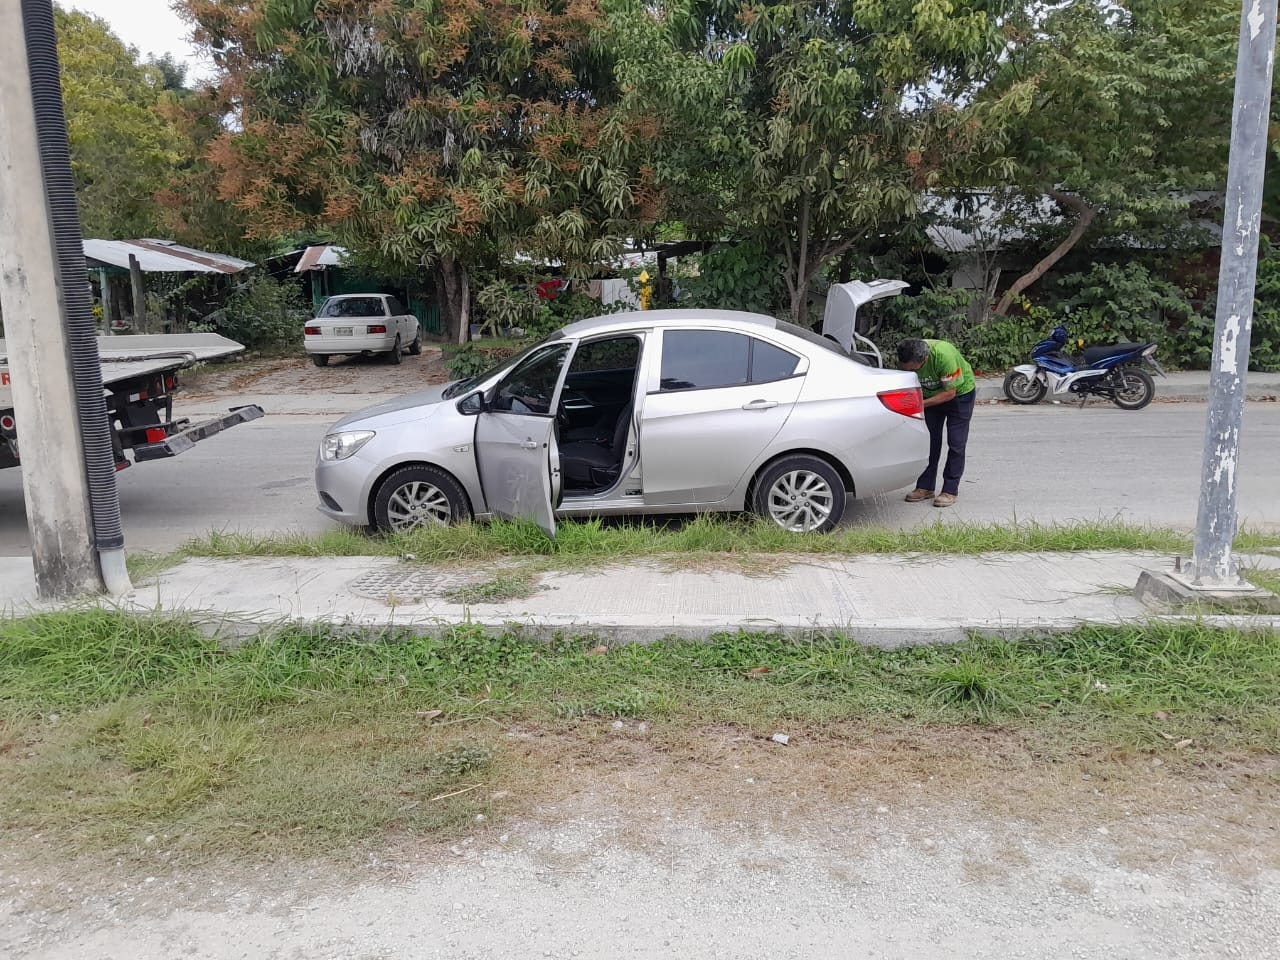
(769, 363)
(529, 387)
(396, 308)
(353, 307)
(617, 353)
(697, 359)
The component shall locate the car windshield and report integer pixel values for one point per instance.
(353, 307)
(462, 386)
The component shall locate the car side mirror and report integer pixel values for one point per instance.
(473, 404)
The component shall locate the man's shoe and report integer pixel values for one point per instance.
(944, 499)
(918, 495)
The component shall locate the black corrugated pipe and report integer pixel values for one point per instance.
(86, 370)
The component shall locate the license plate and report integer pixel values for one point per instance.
(342, 331)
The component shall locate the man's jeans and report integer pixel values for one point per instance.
(954, 415)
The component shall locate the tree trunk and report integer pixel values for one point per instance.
(1086, 216)
(455, 287)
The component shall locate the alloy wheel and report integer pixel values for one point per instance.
(417, 503)
(800, 501)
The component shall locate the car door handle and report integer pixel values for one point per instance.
(530, 444)
(760, 405)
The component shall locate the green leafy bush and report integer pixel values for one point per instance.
(262, 312)
(472, 359)
(743, 276)
(501, 305)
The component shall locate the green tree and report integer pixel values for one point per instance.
(123, 146)
(431, 135)
(804, 125)
(1123, 110)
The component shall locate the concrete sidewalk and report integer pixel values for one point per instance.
(1189, 386)
(880, 600)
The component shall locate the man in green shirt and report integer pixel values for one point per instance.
(949, 390)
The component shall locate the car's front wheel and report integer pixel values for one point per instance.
(800, 494)
(416, 496)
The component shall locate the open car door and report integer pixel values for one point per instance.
(516, 442)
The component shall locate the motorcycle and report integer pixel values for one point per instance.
(1111, 372)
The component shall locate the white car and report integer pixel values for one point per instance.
(362, 323)
(659, 411)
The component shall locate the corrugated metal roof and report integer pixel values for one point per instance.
(320, 257)
(161, 256)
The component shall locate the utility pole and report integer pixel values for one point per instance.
(54, 478)
(1212, 567)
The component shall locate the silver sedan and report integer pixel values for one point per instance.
(661, 411)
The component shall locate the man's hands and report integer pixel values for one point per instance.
(942, 397)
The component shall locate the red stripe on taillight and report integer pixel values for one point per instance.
(909, 402)
(311, 331)
(378, 328)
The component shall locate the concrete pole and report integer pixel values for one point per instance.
(139, 295)
(1211, 561)
(104, 281)
(44, 401)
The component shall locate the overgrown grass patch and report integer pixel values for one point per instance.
(593, 540)
(115, 726)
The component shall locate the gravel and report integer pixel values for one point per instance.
(905, 883)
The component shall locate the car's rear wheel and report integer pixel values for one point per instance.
(320, 359)
(800, 494)
(416, 496)
(415, 348)
(394, 355)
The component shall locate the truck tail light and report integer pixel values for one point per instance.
(311, 331)
(7, 423)
(378, 328)
(909, 402)
(155, 434)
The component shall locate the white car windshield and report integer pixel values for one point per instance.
(353, 307)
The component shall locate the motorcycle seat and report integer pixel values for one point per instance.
(1094, 355)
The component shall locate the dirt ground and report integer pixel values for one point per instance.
(622, 841)
(298, 375)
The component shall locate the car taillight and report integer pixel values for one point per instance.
(311, 331)
(378, 328)
(909, 402)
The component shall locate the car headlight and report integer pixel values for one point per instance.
(339, 446)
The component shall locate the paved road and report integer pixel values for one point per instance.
(1044, 463)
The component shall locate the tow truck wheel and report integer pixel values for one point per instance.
(320, 359)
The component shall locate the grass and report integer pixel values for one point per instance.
(500, 589)
(593, 540)
(115, 726)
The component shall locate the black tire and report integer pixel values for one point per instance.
(1019, 388)
(320, 359)
(1139, 389)
(415, 348)
(417, 494)
(800, 493)
(395, 355)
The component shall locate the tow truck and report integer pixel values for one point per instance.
(139, 378)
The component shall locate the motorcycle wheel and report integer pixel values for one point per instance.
(1137, 389)
(1020, 388)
